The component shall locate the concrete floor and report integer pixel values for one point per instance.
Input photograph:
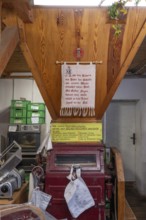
(136, 201)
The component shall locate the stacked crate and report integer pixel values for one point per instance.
(36, 113)
(18, 111)
(26, 112)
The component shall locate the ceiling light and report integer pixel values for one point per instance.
(26, 74)
(68, 2)
(84, 3)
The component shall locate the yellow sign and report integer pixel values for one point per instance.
(76, 132)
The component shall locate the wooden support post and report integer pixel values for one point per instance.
(120, 185)
(34, 69)
(8, 43)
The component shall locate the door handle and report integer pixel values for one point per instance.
(133, 138)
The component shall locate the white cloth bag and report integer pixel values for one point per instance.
(77, 195)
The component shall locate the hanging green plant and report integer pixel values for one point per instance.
(118, 29)
(117, 10)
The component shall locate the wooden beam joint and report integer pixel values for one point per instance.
(21, 7)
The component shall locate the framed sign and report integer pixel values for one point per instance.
(76, 132)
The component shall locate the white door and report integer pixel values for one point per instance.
(120, 131)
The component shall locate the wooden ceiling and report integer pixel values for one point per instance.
(33, 39)
(17, 63)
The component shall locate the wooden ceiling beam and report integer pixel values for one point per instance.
(123, 69)
(34, 69)
(21, 7)
(8, 43)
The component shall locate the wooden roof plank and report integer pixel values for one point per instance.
(123, 69)
(34, 69)
(22, 8)
(8, 43)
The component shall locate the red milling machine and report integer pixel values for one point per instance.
(90, 157)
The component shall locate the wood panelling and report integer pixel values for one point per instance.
(56, 33)
(86, 29)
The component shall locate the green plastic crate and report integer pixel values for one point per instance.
(17, 120)
(17, 113)
(19, 103)
(40, 114)
(36, 107)
(35, 120)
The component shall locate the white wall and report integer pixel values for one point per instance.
(6, 94)
(16, 89)
(135, 89)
